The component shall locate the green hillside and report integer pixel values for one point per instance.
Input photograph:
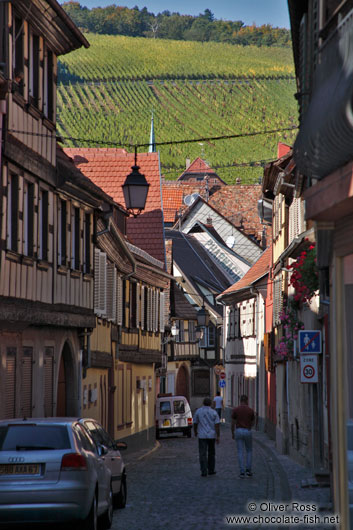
(196, 90)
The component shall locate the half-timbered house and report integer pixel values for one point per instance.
(131, 325)
(46, 285)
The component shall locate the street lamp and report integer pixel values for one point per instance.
(135, 189)
(203, 317)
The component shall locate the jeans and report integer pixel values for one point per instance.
(219, 412)
(207, 454)
(243, 439)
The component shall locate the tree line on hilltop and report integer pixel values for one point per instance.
(135, 22)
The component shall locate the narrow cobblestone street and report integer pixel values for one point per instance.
(165, 489)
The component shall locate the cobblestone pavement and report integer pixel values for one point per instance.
(166, 491)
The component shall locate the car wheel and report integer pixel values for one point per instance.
(91, 521)
(157, 434)
(120, 501)
(107, 517)
(189, 433)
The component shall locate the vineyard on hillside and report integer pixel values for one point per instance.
(107, 94)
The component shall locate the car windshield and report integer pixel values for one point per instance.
(165, 407)
(33, 437)
(179, 407)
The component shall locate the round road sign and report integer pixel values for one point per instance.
(222, 375)
(309, 371)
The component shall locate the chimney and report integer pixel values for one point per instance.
(188, 162)
(209, 221)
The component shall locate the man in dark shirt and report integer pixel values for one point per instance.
(243, 418)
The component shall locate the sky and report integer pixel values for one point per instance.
(274, 12)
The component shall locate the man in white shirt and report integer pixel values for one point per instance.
(218, 404)
(206, 428)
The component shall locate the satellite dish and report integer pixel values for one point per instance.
(230, 241)
(190, 199)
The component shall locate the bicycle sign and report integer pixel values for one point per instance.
(309, 369)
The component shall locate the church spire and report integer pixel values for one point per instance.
(152, 147)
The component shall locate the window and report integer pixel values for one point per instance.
(48, 92)
(211, 336)
(87, 245)
(62, 236)
(165, 407)
(75, 239)
(12, 213)
(192, 331)
(33, 69)
(208, 338)
(133, 305)
(180, 337)
(28, 218)
(51, 436)
(43, 225)
(18, 57)
(179, 407)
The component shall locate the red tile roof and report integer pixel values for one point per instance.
(197, 166)
(108, 169)
(259, 269)
(238, 203)
(172, 202)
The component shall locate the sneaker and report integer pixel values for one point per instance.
(248, 473)
(212, 472)
(203, 474)
(242, 475)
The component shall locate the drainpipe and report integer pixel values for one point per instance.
(254, 291)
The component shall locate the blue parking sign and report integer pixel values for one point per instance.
(222, 383)
(309, 341)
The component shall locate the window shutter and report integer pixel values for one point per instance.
(143, 302)
(111, 292)
(301, 216)
(243, 321)
(156, 310)
(26, 382)
(236, 314)
(10, 383)
(48, 381)
(138, 305)
(119, 301)
(161, 312)
(228, 321)
(149, 309)
(96, 279)
(103, 283)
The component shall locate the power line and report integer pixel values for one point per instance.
(61, 139)
(255, 163)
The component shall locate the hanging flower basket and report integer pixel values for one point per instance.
(291, 326)
(304, 277)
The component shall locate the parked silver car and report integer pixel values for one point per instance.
(112, 459)
(51, 470)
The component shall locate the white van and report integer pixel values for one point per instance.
(173, 414)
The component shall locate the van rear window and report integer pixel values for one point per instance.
(165, 407)
(179, 406)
